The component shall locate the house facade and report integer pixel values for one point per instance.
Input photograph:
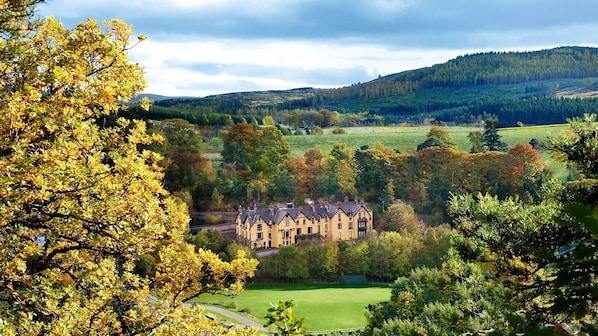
(285, 225)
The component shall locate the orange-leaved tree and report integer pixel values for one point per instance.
(81, 203)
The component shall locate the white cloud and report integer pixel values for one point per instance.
(175, 64)
(199, 47)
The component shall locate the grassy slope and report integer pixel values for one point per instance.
(407, 138)
(327, 307)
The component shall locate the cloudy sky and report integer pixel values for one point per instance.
(203, 47)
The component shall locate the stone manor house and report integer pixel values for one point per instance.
(285, 225)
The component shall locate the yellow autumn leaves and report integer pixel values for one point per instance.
(81, 201)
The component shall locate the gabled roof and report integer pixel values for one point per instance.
(316, 211)
(351, 208)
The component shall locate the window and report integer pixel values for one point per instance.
(303, 221)
(309, 230)
(350, 225)
(350, 234)
(287, 234)
(339, 216)
(340, 226)
(259, 227)
(260, 236)
(339, 236)
(299, 231)
(286, 221)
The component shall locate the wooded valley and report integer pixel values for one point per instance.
(96, 196)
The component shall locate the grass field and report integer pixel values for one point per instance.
(326, 306)
(407, 138)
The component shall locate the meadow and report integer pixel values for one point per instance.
(406, 138)
(326, 306)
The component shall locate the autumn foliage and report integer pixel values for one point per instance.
(81, 204)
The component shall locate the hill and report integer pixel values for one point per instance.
(535, 87)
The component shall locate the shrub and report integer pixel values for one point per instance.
(212, 219)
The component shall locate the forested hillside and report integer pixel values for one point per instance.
(536, 87)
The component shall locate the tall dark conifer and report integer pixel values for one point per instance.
(491, 138)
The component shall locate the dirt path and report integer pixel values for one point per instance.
(237, 317)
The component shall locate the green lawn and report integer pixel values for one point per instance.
(326, 306)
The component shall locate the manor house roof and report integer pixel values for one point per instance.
(276, 214)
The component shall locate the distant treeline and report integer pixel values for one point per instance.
(530, 111)
(513, 86)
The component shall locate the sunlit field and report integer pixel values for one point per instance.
(326, 306)
(405, 139)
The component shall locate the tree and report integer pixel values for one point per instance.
(475, 137)
(314, 254)
(430, 142)
(287, 264)
(82, 204)
(255, 157)
(441, 134)
(580, 144)
(513, 267)
(437, 136)
(306, 172)
(544, 252)
(212, 240)
(491, 138)
(179, 135)
(15, 13)
(282, 316)
(239, 146)
(325, 117)
(272, 151)
(400, 217)
(371, 167)
(390, 255)
(353, 259)
(345, 178)
(456, 299)
(268, 121)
